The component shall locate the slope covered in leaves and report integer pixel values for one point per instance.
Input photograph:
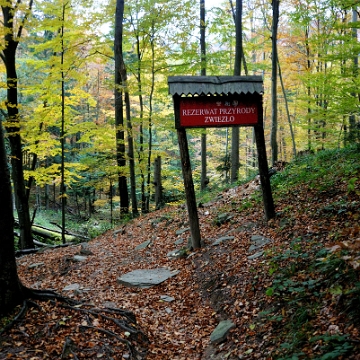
(299, 299)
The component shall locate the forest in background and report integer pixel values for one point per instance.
(66, 101)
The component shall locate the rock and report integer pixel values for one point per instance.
(167, 298)
(72, 287)
(179, 242)
(246, 226)
(154, 222)
(109, 304)
(223, 218)
(179, 253)
(143, 245)
(145, 278)
(222, 239)
(256, 255)
(85, 250)
(221, 331)
(36, 265)
(181, 231)
(79, 258)
(120, 231)
(257, 242)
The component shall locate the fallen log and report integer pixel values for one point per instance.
(41, 248)
(67, 232)
(26, 252)
(54, 235)
(50, 234)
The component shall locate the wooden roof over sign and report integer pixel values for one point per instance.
(215, 85)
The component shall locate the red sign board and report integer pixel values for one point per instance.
(210, 111)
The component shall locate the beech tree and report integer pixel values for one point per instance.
(14, 19)
(204, 179)
(119, 115)
(11, 292)
(55, 116)
(274, 73)
(239, 51)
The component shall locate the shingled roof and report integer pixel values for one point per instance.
(215, 85)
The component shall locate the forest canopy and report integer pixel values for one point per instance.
(65, 81)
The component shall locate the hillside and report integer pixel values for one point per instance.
(291, 286)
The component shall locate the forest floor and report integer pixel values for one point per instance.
(298, 300)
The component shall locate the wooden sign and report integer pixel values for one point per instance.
(213, 111)
(218, 101)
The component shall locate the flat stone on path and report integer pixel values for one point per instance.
(181, 231)
(256, 255)
(221, 331)
(167, 298)
(179, 242)
(222, 239)
(145, 278)
(85, 250)
(79, 258)
(143, 245)
(72, 287)
(36, 265)
(257, 242)
(176, 254)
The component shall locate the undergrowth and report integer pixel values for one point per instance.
(319, 171)
(311, 281)
(306, 284)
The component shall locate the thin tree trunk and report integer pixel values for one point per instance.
(235, 162)
(141, 155)
(134, 207)
(204, 180)
(308, 66)
(227, 156)
(119, 116)
(158, 184)
(189, 189)
(62, 135)
(287, 110)
(124, 83)
(274, 120)
(151, 97)
(33, 167)
(244, 64)
(111, 201)
(353, 132)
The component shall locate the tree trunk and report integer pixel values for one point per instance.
(150, 124)
(119, 115)
(189, 189)
(11, 292)
(353, 133)
(130, 138)
(13, 127)
(204, 180)
(134, 207)
(274, 124)
(141, 154)
(235, 162)
(158, 184)
(287, 110)
(308, 68)
(62, 134)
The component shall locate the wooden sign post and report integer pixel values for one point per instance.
(218, 101)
